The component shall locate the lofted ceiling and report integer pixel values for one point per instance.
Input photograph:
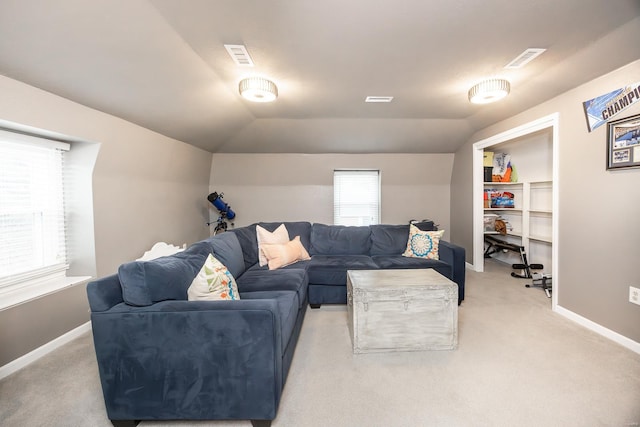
(162, 64)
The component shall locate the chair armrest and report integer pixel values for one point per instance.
(190, 360)
(454, 255)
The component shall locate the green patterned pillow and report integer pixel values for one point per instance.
(423, 244)
(213, 282)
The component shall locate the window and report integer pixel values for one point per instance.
(356, 197)
(32, 216)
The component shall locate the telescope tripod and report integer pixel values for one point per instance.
(221, 224)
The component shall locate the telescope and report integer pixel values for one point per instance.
(224, 209)
(225, 212)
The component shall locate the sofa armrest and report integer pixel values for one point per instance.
(454, 255)
(104, 293)
(190, 360)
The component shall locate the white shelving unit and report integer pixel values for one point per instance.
(540, 213)
(531, 218)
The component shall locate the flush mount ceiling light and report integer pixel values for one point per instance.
(489, 91)
(258, 89)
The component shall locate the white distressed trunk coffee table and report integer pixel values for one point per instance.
(401, 310)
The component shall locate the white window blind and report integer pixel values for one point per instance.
(32, 226)
(356, 197)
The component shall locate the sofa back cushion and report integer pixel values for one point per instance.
(392, 239)
(340, 240)
(389, 239)
(226, 248)
(165, 278)
(249, 244)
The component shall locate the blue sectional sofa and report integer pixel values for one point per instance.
(162, 357)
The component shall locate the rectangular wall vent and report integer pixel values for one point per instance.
(378, 99)
(239, 54)
(524, 58)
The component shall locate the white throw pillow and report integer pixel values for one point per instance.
(279, 236)
(213, 282)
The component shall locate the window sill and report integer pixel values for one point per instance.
(12, 297)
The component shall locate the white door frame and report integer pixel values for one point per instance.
(550, 121)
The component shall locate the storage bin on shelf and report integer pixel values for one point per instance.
(498, 199)
(504, 199)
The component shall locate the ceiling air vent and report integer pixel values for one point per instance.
(239, 54)
(378, 99)
(524, 58)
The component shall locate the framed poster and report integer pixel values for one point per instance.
(623, 143)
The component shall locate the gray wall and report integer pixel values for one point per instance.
(461, 197)
(289, 187)
(146, 188)
(598, 209)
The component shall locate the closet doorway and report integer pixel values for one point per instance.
(531, 220)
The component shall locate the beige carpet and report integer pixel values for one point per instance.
(518, 364)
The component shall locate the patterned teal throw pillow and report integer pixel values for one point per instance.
(423, 244)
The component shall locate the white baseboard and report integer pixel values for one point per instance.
(36, 354)
(599, 329)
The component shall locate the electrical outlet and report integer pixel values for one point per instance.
(634, 295)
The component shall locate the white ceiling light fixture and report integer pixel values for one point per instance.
(258, 89)
(489, 91)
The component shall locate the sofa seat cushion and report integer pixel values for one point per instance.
(340, 240)
(332, 270)
(284, 279)
(165, 278)
(288, 307)
(399, 262)
(298, 265)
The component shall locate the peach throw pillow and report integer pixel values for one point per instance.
(280, 255)
(279, 236)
